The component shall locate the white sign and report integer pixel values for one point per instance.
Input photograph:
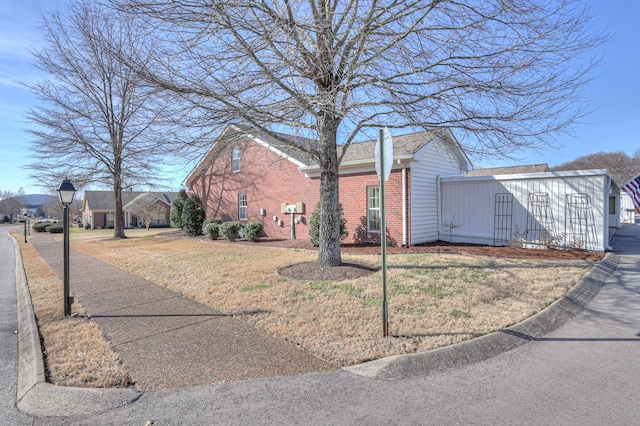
(387, 145)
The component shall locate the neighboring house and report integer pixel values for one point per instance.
(251, 177)
(99, 208)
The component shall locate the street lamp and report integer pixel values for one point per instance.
(66, 192)
(25, 227)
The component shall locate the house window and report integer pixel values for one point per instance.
(242, 207)
(373, 208)
(235, 159)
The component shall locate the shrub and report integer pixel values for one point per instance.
(40, 227)
(211, 229)
(87, 226)
(314, 225)
(229, 230)
(55, 229)
(175, 214)
(209, 221)
(192, 215)
(253, 231)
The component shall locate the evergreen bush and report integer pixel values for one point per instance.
(314, 225)
(229, 230)
(253, 231)
(175, 214)
(207, 222)
(211, 228)
(55, 229)
(40, 227)
(192, 215)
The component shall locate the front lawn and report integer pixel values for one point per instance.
(434, 299)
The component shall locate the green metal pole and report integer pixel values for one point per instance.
(383, 241)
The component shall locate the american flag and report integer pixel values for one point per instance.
(633, 189)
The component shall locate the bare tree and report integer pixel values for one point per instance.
(53, 208)
(621, 167)
(99, 123)
(504, 73)
(145, 206)
(11, 203)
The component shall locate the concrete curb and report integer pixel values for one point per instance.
(485, 347)
(35, 396)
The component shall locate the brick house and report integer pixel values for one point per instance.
(98, 208)
(250, 176)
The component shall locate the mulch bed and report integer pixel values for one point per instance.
(313, 271)
(442, 247)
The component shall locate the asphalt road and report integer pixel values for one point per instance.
(8, 333)
(585, 373)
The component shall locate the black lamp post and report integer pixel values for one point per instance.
(26, 216)
(66, 192)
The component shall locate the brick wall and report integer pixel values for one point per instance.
(353, 196)
(269, 180)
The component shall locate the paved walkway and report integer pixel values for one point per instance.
(167, 340)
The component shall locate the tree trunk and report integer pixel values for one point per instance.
(118, 224)
(329, 249)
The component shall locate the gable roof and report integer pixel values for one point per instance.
(510, 170)
(164, 197)
(286, 149)
(405, 147)
(106, 200)
(358, 153)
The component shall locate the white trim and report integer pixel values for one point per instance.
(378, 209)
(404, 206)
(275, 150)
(358, 166)
(523, 176)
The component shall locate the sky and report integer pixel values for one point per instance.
(613, 125)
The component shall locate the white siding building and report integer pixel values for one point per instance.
(438, 158)
(573, 209)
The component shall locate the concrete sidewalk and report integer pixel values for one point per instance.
(167, 340)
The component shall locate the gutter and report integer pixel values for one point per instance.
(398, 159)
(438, 204)
(404, 206)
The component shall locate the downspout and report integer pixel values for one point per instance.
(404, 206)
(439, 204)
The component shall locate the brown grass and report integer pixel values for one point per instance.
(434, 299)
(76, 352)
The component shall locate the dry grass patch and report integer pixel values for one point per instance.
(434, 299)
(76, 352)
